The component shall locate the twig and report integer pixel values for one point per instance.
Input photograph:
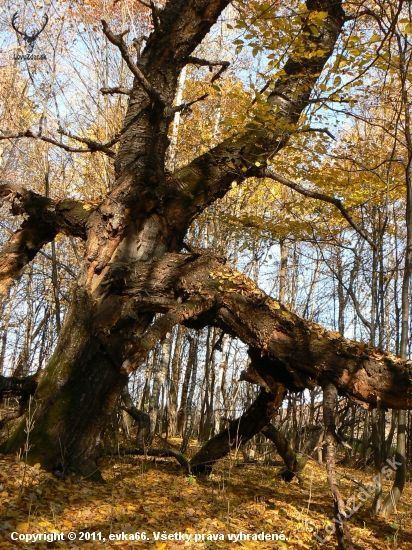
(324, 130)
(30, 134)
(184, 106)
(206, 63)
(93, 145)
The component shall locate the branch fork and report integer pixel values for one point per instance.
(117, 40)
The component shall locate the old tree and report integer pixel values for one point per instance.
(139, 277)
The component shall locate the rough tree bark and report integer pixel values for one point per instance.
(132, 269)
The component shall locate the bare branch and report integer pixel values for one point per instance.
(60, 264)
(93, 145)
(47, 217)
(115, 90)
(286, 348)
(322, 130)
(370, 13)
(30, 134)
(185, 106)
(321, 197)
(117, 40)
(205, 63)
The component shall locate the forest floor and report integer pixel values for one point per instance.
(157, 498)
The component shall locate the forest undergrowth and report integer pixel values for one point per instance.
(156, 497)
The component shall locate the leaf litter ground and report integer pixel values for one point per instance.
(156, 496)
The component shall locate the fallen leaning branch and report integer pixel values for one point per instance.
(23, 388)
(239, 431)
(294, 465)
(199, 290)
(18, 387)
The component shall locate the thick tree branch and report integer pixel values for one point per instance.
(179, 29)
(47, 217)
(67, 216)
(20, 250)
(288, 349)
(239, 431)
(182, 26)
(211, 175)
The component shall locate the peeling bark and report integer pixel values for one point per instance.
(67, 216)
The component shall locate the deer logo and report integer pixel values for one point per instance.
(30, 39)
